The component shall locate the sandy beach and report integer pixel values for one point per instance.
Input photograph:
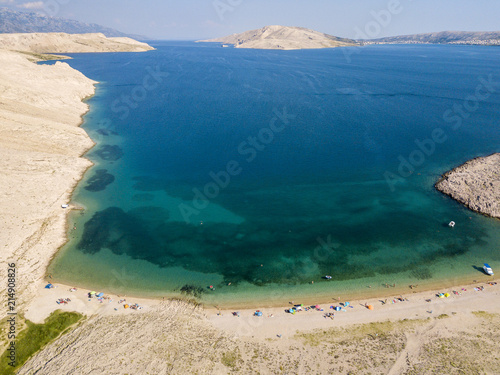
(416, 333)
(41, 148)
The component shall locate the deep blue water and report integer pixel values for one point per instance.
(318, 149)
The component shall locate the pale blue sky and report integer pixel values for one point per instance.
(195, 19)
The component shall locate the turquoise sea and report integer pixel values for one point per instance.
(259, 172)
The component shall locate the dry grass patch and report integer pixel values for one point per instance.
(358, 332)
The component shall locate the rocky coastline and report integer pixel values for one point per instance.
(475, 184)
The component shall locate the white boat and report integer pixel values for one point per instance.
(487, 269)
(328, 277)
(451, 224)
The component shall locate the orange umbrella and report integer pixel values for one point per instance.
(370, 307)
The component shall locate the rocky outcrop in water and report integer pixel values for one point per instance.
(283, 37)
(476, 184)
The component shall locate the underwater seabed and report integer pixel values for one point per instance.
(120, 274)
(114, 274)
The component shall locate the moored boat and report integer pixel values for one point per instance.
(487, 269)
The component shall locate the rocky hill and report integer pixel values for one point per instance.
(29, 22)
(283, 37)
(475, 184)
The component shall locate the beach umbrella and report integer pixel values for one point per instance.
(346, 304)
(447, 295)
(92, 292)
(338, 308)
(370, 307)
(317, 307)
(126, 306)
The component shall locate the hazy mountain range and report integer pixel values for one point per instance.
(28, 22)
(443, 37)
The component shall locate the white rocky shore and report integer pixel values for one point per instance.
(69, 43)
(41, 145)
(476, 184)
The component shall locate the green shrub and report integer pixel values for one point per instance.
(35, 337)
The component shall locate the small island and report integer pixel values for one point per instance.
(476, 184)
(284, 38)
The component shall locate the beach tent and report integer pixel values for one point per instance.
(370, 307)
(100, 294)
(49, 286)
(346, 304)
(258, 313)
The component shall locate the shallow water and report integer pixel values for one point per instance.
(271, 169)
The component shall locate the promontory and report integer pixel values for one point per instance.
(476, 184)
(283, 37)
(69, 43)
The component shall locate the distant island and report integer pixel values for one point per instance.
(490, 38)
(283, 37)
(476, 184)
